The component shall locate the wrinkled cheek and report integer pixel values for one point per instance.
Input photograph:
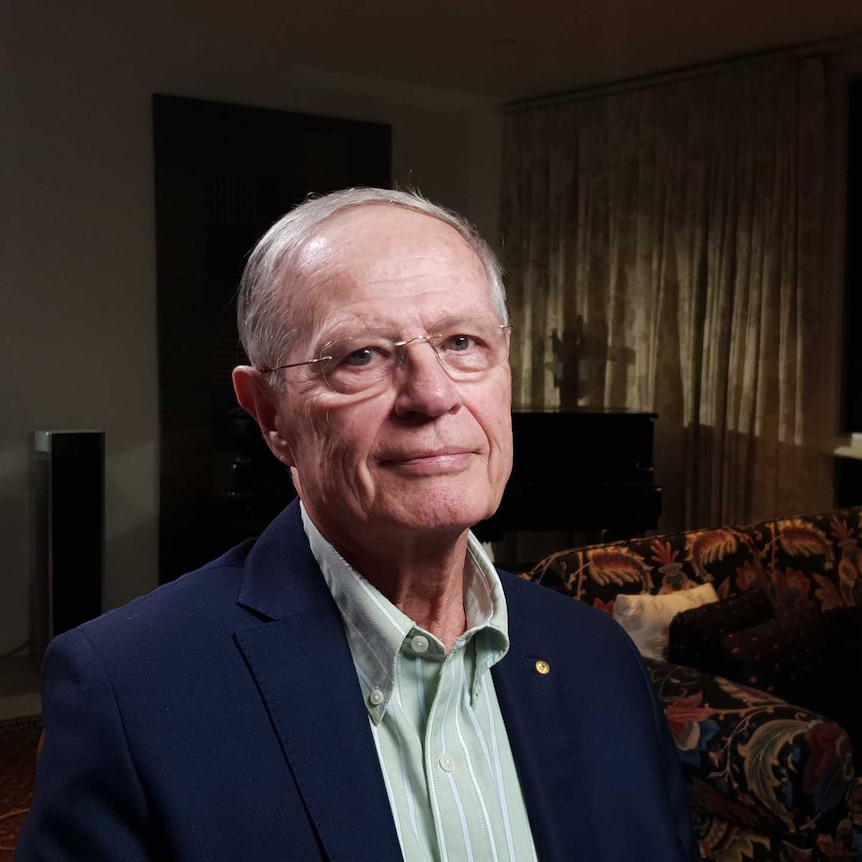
(309, 431)
(500, 480)
(505, 454)
(336, 455)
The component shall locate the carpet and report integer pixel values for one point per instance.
(18, 740)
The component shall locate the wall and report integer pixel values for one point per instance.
(77, 256)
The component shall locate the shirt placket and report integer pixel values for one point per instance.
(454, 802)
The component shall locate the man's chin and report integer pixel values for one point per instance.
(444, 503)
(439, 517)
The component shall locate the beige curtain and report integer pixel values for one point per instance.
(664, 252)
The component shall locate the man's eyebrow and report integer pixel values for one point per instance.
(356, 330)
(360, 327)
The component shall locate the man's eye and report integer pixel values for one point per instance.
(359, 358)
(365, 356)
(459, 342)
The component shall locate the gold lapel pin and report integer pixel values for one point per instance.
(542, 667)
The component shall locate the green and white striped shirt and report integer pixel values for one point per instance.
(443, 747)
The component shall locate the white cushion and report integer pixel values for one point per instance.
(646, 618)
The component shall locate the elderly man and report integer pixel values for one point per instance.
(360, 683)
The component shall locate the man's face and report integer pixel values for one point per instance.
(424, 453)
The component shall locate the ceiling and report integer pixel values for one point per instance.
(504, 51)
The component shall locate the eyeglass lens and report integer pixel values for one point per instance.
(463, 347)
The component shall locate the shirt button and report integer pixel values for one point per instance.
(447, 762)
(419, 643)
(376, 697)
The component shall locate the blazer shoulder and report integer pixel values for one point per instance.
(532, 606)
(207, 592)
(523, 591)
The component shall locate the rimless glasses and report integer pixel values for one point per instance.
(464, 347)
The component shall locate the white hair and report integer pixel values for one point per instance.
(265, 286)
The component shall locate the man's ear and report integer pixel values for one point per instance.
(257, 398)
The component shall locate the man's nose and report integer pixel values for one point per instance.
(422, 382)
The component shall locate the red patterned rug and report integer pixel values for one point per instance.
(18, 740)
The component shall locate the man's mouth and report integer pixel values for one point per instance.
(444, 460)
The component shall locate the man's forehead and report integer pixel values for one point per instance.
(380, 230)
(378, 241)
(375, 263)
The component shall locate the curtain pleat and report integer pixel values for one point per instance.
(664, 252)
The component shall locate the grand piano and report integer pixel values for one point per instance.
(583, 472)
(579, 469)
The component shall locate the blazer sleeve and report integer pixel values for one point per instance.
(88, 801)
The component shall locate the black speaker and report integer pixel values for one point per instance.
(70, 530)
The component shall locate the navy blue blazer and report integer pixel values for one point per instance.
(220, 718)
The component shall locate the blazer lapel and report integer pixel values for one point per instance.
(302, 665)
(541, 726)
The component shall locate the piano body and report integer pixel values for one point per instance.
(579, 469)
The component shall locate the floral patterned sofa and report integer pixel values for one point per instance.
(768, 779)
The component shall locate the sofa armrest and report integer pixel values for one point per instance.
(754, 759)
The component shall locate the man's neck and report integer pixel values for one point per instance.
(433, 599)
(423, 577)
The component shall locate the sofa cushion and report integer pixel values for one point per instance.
(810, 658)
(694, 635)
(780, 656)
(646, 618)
(844, 658)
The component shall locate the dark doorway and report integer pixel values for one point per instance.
(223, 174)
(848, 471)
(851, 402)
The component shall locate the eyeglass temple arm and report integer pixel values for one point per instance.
(295, 364)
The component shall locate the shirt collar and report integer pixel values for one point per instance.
(377, 631)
